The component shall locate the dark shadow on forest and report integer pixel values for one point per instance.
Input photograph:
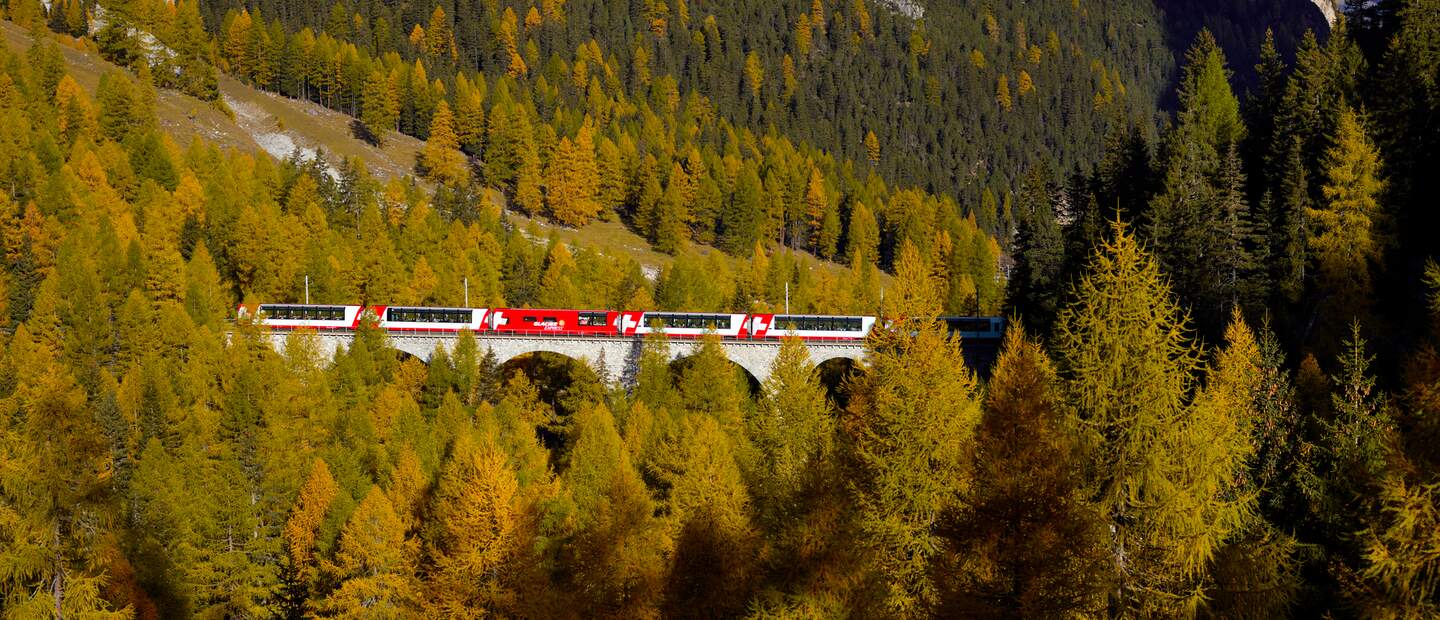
(1239, 26)
(363, 133)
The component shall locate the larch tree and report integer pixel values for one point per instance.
(754, 74)
(372, 565)
(52, 483)
(916, 294)
(909, 429)
(872, 148)
(1345, 231)
(557, 284)
(311, 506)
(1129, 369)
(1252, 571)
(380, 108)
(617, 554)
(1029, 543)
(716, 546)
(475, 515)
(572, 181)
(793, 431)
(440, 158)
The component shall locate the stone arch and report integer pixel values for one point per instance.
(417, 347)
(833, 372)
(678, 361)
(616, 357)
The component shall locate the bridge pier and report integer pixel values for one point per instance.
(620, 354)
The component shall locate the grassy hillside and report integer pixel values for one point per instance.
(260, 122)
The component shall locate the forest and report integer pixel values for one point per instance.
(1219, 395)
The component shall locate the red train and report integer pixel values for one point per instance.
(560, 322)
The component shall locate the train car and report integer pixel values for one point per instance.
(976, 327)
(689, 324)
(555, 322)
(415, 319)
(295, 316)
(809, 326)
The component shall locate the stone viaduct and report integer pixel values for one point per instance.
(620, 355)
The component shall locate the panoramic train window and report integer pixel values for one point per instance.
(592, 319)
(690, 321)
(818, 323)
(304, 313)
(427, 315)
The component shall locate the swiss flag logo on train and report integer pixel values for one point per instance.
(629, 322)
(760, 324)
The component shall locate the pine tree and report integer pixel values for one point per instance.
(1034, 285)
(1354, 447)
(1289, 231)
(1184, 222)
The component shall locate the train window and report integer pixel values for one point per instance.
(530, 319)
(303, 313)
(427, 315)
(818, 323)
(592, 319)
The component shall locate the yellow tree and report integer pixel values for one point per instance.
(872, 148)
(754, 74)
(916, 293)
(1342, 230)
(1002, 93)
(802, 35)
(509, 41)
(372, 565)
(572, 181)
(1159, 466)
(310, 508)
(1030, 544)
(557, 284)
(617, 553)
(910, 426)
(441, 159)
(475, 513)
(77, 115)
(1253, 570)
(816, 204)
(716, 546)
